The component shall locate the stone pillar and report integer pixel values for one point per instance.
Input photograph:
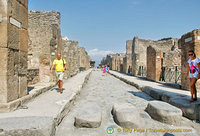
(189, 41)
(135, 61)
(113, 63)
(128, 58)
(153, 63)
(13, 50)
(129, 47)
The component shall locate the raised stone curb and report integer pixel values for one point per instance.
(164, 112)
(38, 126)
(38, 89)
(178, 98)
(45, 123)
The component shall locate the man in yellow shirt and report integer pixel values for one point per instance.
(60, 65)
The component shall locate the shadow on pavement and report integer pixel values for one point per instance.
(141, 95)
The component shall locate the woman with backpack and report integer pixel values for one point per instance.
(193, 70)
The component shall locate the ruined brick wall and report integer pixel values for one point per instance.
(129, 47)
(127, 66)
(70, 52)
(119, 62)
(139, 50)
(154, 56)
(76, 57)
(33, 76)
(84, 59)
(13, 49)
(103, 61)
(108, 60)
(44, 36)
(114, 62)
(171, 66)
(189, 41)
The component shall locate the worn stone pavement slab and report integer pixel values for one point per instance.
(176, 97)
(44, 111)
(104, 91)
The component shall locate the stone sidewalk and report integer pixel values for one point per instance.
(176, 97)
(43, 113)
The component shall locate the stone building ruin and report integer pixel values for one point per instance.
(163, 60)
(45, 42)
(13, 52)
(155, 60)
(76, 57)
(29, 42)
(114, 61)
(128, 57)
(139, 52)
(44, 35)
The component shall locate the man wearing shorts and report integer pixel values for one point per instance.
(60, 65)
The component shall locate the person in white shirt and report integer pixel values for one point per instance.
(193, 70)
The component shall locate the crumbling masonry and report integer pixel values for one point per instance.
(44, 36)
(13, 52)
(29, 42)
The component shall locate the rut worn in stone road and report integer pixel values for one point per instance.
(92, 112)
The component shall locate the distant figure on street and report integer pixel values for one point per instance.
(108, 68)
(61, 66)
(193, 70)
(104, 69)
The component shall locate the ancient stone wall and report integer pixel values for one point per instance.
(33, 76)
(44, 36)
(13, 49)
(70, 52)
(170, 63)
(115, 61)
(76, 57)
(171, 66)
(139, 51)
(189, 41)
(154, 56)
(84, 59)
(118, 62)
(127, 66)
(129, 47)
(108, 61)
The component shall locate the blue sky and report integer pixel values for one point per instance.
(103, 26)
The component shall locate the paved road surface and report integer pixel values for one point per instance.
(104, 91)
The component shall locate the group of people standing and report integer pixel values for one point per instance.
(106, 69)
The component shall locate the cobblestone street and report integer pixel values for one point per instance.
(98, 97)
(99, 68)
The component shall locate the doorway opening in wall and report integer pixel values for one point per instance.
(171, 75)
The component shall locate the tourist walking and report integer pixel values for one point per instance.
(61, 66)
(107, 70)
(104, 69)
(193, 70)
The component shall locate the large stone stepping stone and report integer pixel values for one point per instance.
(164, 112)
(126, 115)
(89, 117)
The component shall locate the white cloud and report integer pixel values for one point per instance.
(97, 55)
